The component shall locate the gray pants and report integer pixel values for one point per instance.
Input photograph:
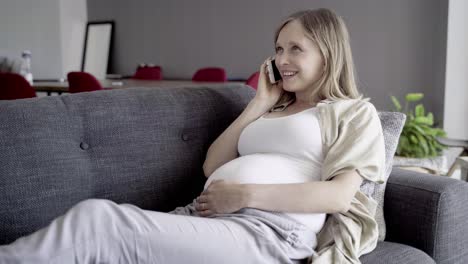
(101, 231)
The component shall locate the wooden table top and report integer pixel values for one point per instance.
(62, 87)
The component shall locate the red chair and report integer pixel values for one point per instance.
(14, 86)
(210, 75)
(82, 82)
(147, 72)
(253, 80)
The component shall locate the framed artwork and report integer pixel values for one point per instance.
(97, 48)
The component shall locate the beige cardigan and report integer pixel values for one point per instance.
(353, 140)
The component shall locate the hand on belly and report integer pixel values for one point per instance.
(221, 197)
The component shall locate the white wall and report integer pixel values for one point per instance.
(52, 29)
(398, 45)
(32, 25)
(456, 82)
(73, 19)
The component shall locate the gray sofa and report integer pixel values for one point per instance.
(146, 146)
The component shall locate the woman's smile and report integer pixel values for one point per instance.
(287, 75)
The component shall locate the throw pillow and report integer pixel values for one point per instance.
(392, 124)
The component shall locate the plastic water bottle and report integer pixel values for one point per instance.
(25, 70)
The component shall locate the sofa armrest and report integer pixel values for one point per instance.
(428, 212)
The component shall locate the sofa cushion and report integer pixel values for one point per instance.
(392, 124)
(394, 253)
(128, 145)
(144, 146)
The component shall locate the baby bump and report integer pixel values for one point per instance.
(263, 168)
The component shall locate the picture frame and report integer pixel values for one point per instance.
(98, 48)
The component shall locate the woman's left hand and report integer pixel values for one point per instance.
(221, 197)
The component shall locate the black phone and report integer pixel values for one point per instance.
(273, 72)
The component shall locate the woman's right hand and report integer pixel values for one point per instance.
(267, 93)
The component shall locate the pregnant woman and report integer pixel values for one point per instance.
(297, 154)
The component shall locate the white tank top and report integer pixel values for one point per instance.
(279, 150)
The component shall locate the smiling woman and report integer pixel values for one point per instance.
(320, 56)
(298, 59)
(313, 56)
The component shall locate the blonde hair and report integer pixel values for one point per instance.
(328, 31)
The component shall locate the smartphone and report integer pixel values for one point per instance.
(273, 72)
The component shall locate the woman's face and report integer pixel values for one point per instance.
(298, 59)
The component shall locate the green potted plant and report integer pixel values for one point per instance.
(418, 138)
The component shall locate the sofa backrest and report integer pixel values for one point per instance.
(144, 146)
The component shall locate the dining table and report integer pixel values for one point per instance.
(62, 86)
